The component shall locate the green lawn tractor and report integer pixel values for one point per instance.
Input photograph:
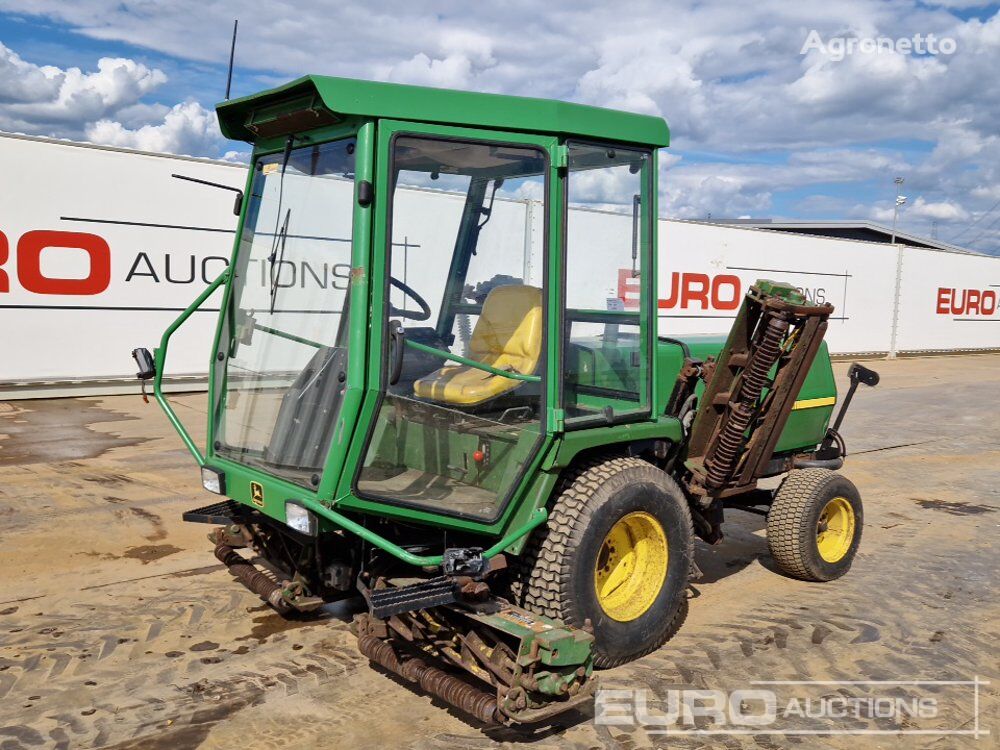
(438, 381)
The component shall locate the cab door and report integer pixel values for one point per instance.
(459, 402)
(608, 284)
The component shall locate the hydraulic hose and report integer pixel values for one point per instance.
(818, 463)
(677, 342)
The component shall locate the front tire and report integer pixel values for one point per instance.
(617, 551)
(814, 525)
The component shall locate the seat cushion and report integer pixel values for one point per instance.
(508, 336)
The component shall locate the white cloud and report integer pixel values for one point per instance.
(236, 157)
(49, 100)
(46, 95)
(103, 106)
(188, 128)
(938, 211)
(943, 211)
(961, 3)
(453, 71)
(462, 55)
(21, 81)
(727, 75)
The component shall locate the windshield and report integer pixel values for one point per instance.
(282, 382)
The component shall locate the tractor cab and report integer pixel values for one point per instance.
(414, 310)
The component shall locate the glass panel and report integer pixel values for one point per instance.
(606, 355)
(285, 373)
(453, 435)
(603, 367)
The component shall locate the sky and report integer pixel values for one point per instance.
(785, 110)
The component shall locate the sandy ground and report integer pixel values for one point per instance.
(119, 629)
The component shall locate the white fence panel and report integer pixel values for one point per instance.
(706, 269)
(948, 301)
(101, 248)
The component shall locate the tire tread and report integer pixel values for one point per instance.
(542, 580)
(786, 521)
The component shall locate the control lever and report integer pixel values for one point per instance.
(858, 374)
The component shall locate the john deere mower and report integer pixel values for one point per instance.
(438, 382)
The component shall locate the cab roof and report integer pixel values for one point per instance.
(312, 101)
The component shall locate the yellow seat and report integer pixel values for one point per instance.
(508, 336)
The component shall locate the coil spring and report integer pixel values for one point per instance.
(730, 439)
(247, 574)
(464, 332)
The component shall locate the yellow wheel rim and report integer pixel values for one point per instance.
(835, 529)
(631, 566)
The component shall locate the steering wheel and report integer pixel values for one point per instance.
(425, 310)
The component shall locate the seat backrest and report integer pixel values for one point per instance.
(509, 330)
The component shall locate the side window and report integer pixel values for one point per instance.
(606, 354)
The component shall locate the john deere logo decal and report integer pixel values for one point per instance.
(257, 494)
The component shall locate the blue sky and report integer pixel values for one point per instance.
(760, 129)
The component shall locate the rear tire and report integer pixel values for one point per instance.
(617, 550)
(814, 525)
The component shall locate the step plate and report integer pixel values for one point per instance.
(398, 599)
(220, 513)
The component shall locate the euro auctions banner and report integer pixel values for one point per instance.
(100, 249)
(706, 269)
(949, 301)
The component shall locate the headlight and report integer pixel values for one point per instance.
(300, 519)
(213, 481)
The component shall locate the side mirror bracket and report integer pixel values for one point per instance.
(237, 204)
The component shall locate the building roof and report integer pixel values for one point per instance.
(345, 97)
(120, 149)
(865, 231)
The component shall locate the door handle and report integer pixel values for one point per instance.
(397, 340)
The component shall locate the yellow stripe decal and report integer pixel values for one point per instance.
(812, 403)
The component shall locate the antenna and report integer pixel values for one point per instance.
(232, 52)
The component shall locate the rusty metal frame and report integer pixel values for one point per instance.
(719, 467)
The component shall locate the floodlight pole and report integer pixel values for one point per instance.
(895, 209)
(899, 271)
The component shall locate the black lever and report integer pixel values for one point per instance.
(858, 374)
(397, 338)
(863, 374)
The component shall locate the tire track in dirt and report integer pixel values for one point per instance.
(120, 667)
(799, 636)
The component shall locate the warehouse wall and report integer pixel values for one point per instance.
(101, 248)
